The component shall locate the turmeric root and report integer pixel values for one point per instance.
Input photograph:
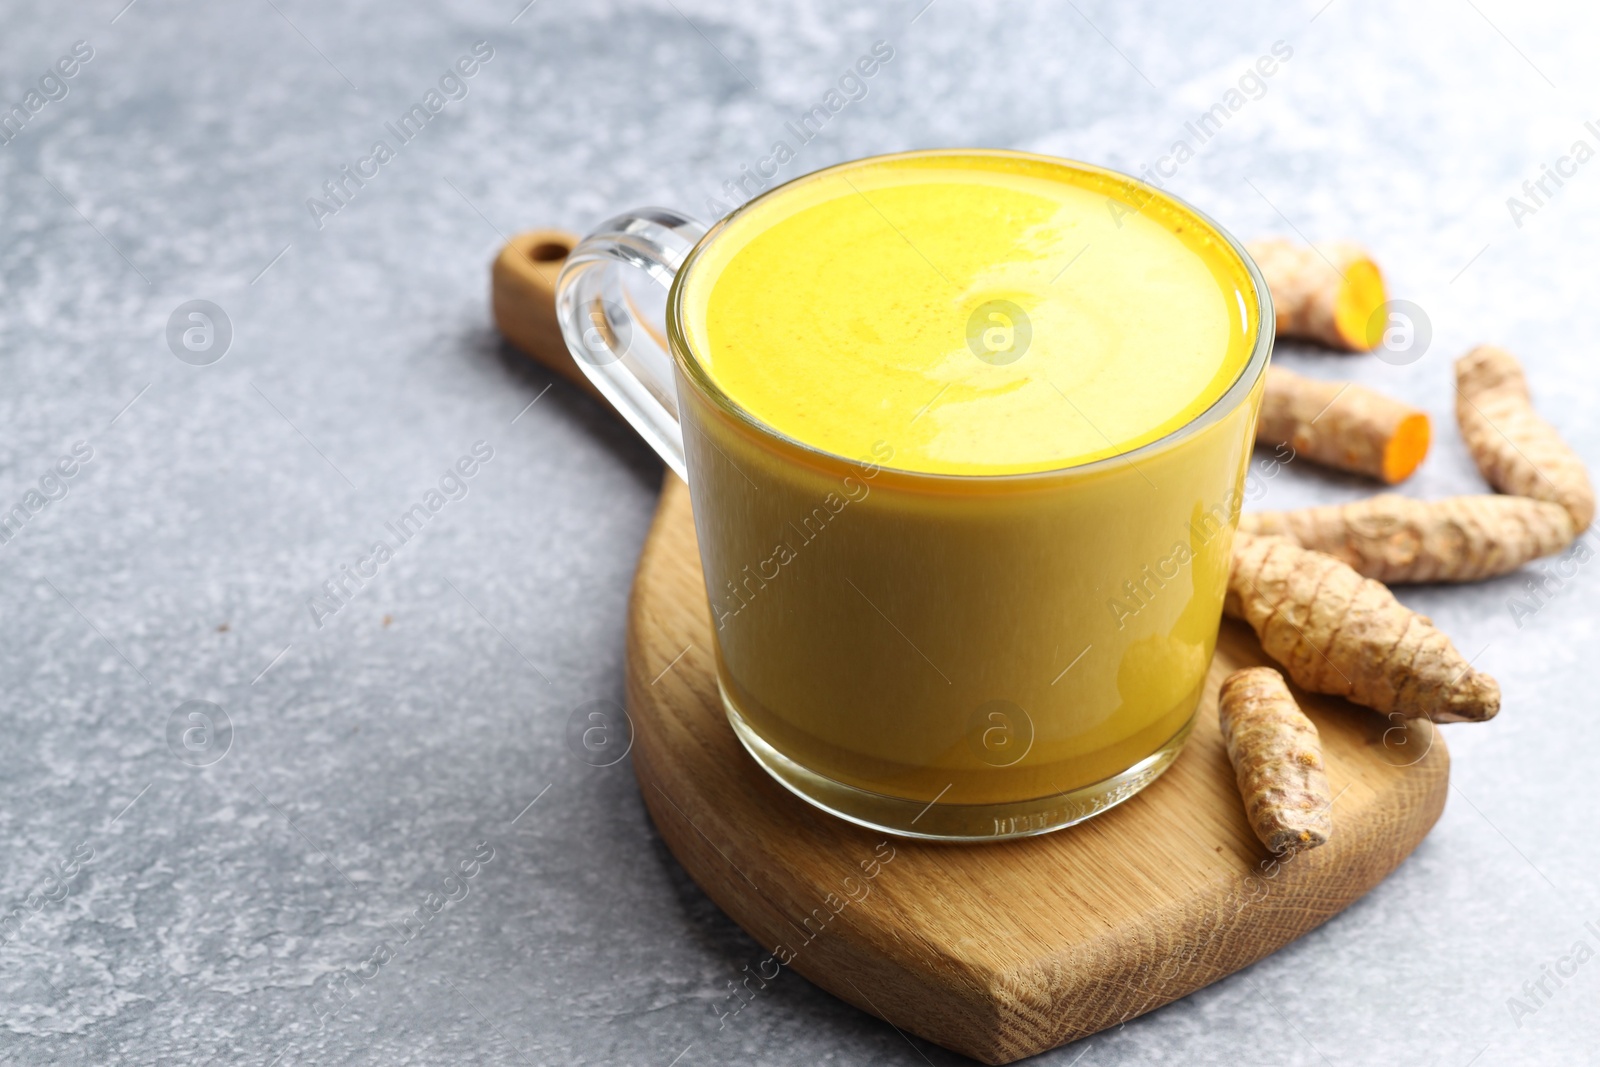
(1277, 758)
(1517, 451)
(1343, 425)
(1325, 293)
(1337, 632)
(1396, 539)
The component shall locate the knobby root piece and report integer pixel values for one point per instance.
(1324, 293)
(1337, 632)
(1343, 425)
(1277, 758)
(1396, 539)
(1517, 451)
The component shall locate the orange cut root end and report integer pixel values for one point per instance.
(1361, 294)
(1407, 449)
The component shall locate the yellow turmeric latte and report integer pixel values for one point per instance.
(855, 350)
(881, 303)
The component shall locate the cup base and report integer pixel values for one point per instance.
(956, 823)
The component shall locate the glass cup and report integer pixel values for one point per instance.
(952, 657)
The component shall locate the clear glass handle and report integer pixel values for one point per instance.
(611, 301)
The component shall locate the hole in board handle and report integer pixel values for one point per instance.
(548, 252)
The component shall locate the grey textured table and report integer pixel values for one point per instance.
(164, 900)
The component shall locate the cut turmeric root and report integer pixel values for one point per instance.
(1277, 758)
(1517, 451)
(1337, 632)
(1343, 425)
(1324, 293)
(1396, 539)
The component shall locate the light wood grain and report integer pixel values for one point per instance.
(999, 951)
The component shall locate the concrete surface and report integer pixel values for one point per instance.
(188, 890)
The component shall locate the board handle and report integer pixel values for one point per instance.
(522, 293)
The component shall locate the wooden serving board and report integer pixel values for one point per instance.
(998, 951)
